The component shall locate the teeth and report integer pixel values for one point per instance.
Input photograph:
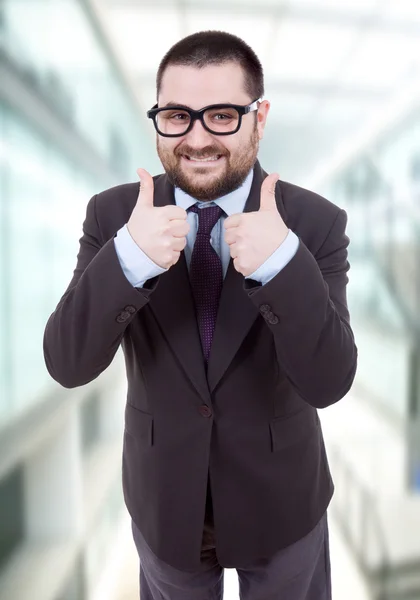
(204, 159)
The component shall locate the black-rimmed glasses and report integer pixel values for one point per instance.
(219, 119)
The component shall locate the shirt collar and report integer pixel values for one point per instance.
(231, 203)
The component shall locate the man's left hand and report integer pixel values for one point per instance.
(253, 237)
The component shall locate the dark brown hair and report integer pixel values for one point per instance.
(215, 48)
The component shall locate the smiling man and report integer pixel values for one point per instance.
(226, 288)
(216, 155)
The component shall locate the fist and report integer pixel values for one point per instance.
(253, 237)
(160, 231)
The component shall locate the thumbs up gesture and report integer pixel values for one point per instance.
(253, 237)
(160, 231)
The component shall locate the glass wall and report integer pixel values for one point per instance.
(380, 189)
(53, 43)
(53, 53)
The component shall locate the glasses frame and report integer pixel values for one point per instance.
(199, 115)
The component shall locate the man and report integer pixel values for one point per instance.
(226, 288)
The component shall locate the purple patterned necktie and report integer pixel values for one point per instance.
(206, 275)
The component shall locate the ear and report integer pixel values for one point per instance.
(262, 114)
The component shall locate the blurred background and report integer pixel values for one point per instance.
(76, 79)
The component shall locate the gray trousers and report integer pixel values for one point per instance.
(299, 572)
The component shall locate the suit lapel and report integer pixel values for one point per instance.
(236, 312)
(173, 304)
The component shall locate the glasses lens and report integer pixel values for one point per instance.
(221, 120)
(172, 122)
(176, 122)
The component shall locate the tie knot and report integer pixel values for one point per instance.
(207, 217)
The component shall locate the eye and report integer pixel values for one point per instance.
(221, 117)
(170, 115)
(179, 116)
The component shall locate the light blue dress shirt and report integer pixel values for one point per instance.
(138, 267)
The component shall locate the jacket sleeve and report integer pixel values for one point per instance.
(84, 332)
(305, 307)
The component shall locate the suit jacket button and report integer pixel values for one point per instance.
(272, 319)
(265, 308)
(122, 317)
(205, 410)
(130, 309)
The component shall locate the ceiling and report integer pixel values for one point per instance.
(330, 65)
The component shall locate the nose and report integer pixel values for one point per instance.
(199, 136)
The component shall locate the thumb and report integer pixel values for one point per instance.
(268, 196)
(145, 197)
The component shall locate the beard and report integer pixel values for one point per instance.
(198, 183)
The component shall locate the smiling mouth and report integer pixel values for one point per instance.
(211, 159)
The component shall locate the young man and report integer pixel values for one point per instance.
(226, 288)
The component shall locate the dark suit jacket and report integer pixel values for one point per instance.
(280, 351)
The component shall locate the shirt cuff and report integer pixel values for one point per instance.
(278, 260)
(137, 266)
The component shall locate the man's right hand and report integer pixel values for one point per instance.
(160, 231)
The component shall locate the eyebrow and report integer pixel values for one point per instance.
(176, 104)
(188, 107)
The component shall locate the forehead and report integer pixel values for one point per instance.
(196, 88)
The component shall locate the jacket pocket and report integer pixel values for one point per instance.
(139, 424)
(290, 429)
